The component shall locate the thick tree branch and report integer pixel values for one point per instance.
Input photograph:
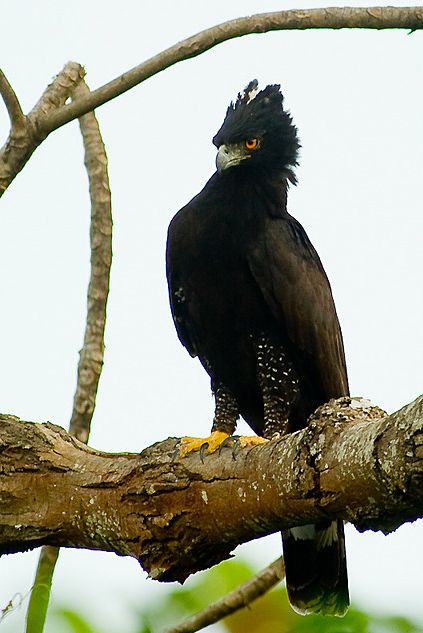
(41, 123)
(177, 516)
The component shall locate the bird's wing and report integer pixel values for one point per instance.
(177, 291)
(294, 285)
(181, 318)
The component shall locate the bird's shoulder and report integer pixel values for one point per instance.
(206, 198)
(284, 245)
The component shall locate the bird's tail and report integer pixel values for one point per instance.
(316, 568)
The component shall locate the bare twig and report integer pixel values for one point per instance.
(17, 117)
(91, 355)
(242, 596)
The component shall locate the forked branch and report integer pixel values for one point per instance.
(18, 150)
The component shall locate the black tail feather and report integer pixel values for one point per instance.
(316, 569)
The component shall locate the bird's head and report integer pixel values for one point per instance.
(258, 134)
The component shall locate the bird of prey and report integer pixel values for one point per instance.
(249, 297)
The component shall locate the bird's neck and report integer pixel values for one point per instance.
(242, 188)
(273, 192)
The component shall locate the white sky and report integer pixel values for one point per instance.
(357, 100)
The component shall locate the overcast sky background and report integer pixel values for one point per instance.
(357, 100)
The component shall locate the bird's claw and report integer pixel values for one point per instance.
(226, 442)
(236, 442)
(230, 442)
(205, 445)
(217, 441)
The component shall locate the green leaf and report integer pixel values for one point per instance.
(76, 622)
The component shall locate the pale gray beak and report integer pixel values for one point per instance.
(230, 155)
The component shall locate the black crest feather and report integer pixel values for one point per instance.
(261, 114)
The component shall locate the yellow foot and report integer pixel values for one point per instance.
(251, 440)
(211, 443)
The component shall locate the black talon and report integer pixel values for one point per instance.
(226, 443)
(203, 449)
(235, 445)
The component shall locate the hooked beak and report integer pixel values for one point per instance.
(229, 155)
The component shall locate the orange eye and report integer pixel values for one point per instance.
(251, 143)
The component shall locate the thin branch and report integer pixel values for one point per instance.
(410, 18)
(241, 597)
(91, 355)
(16, 116)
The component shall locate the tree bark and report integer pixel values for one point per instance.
(179, 515)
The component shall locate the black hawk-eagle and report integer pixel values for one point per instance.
(249, 297)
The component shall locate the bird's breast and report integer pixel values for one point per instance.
(221, 292)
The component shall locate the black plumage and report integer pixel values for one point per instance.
(249, 297)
